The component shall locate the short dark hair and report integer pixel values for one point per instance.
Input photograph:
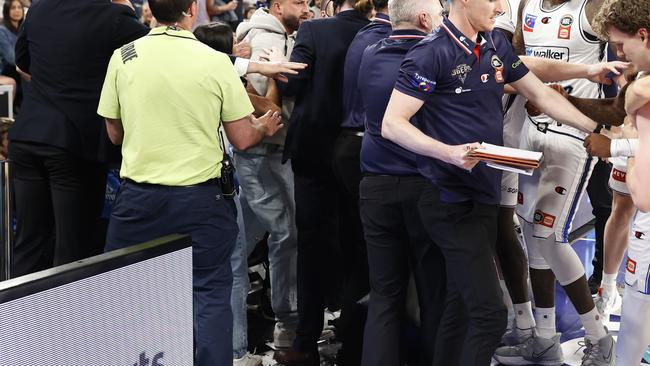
(379, 4)
(216, 35)
(169, 11)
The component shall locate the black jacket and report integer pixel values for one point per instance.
(65, 45)
(317, 114)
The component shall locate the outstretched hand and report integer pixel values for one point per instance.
(269, 123)
(598, 72)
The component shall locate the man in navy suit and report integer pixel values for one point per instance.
(313, 128)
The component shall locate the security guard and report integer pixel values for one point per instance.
(164, 98)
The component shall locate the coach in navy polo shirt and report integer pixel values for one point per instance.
(389, 192)
(452, 82)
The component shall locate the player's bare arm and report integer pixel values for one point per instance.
(552, 103)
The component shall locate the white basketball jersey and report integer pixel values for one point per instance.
(562, 33)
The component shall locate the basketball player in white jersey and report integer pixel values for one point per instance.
(626, 24)
(559, 30)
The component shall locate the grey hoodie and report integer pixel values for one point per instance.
(264, 31)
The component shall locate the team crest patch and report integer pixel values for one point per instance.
(461, 72)
(529, 22)
(564, 32)
(423, 84)
(498, 68)
(544, 219)
(631, 266)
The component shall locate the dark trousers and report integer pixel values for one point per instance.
(600, 197)
(319, 269)
(466, 235)
(59, 198)
(146, 212)
(398, 244)
(354, 258)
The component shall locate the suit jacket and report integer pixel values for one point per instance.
(65, 45)
(318, 111)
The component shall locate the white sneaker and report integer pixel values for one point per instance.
(608, 302)
(533, 351)
(247, 360)
(516, 336)
(600, 352)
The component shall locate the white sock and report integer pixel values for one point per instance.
(608, 283)
(524, 315)
(634, 336)
(593, 323)
(545, 319)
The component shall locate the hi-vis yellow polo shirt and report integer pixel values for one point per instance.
(171, 93)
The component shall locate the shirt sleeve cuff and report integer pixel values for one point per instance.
(241, 66)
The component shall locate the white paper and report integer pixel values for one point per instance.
(510, 152)
(509, 168)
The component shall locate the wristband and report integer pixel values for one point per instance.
(623, 147)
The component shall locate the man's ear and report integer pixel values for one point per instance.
(643, 33)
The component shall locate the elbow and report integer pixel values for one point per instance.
(242, 145)
(386, 131)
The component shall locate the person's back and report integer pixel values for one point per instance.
(318, 111)
(68, 45)
(182, 146)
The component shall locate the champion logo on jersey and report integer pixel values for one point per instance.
(546, 20)
(631, 266)
(560, 190)
(529, 22)
(618, 175)
(639, 234)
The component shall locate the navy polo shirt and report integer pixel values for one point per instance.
(378, 72)
(379, 28)
(462, 103)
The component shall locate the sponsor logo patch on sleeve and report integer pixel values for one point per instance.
(423, 84)
(631, 266)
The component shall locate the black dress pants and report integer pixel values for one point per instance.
(58, 200)
(474, 318)
(398, 244)
(319, 269)
(347, 150)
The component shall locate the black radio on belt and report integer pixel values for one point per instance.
(227, 181)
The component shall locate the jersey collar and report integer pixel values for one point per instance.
(463, 42)
(171, 31)
(381, 18)
(407, 34)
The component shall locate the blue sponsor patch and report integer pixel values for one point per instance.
(422, 84)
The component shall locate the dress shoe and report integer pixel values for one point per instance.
(292, 357)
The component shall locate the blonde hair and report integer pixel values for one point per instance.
(628, 16)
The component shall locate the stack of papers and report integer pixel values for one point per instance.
(508, 158)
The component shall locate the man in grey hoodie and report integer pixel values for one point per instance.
(267, 184)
